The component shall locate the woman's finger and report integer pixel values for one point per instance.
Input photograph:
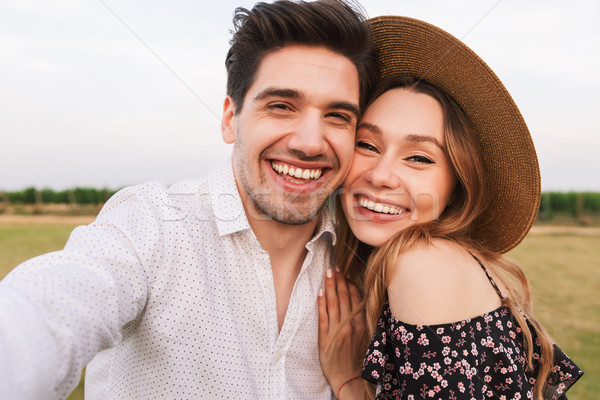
(323, 320)
(333, 308)
(355, 299)
(343, 295)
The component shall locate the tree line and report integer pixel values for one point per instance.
(574, 204)
(78, 195)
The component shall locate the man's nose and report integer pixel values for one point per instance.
(309, 135)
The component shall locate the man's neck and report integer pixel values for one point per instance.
(286, 245)
(276, 237)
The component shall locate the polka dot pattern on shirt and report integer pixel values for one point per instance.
(170, 296)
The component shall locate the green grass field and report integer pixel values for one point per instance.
(564, 270)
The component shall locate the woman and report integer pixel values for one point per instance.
(444, 179)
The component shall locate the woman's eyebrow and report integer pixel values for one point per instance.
(413, 138)
(369, 127)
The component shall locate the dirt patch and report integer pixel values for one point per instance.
(47, 219)
(87, 219)
(564, 230)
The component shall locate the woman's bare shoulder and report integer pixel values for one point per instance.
(439, 282)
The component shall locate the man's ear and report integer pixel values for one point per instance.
(228, 121)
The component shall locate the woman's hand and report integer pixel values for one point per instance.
(339, 350)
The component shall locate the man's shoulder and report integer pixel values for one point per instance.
(212, 199)
(167, 202)
(190, 186)
(156, 192)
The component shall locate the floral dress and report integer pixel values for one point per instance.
(478, 358)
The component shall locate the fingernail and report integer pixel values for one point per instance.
(329, 273)
(321, 292)
(337, 268)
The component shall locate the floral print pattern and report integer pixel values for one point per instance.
(478, 358)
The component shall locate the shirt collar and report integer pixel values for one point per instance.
(226, 202)
(229, 213)
(325, 225)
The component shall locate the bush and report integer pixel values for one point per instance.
(27, 196)
(50, 196)
(78, 195)
(576, 205)
(591, 202)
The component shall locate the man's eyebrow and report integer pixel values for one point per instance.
(344, 105)
(295, 94)
(278, 92)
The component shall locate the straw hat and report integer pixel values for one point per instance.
(409, 46)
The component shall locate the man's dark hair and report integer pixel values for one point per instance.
(334, 24)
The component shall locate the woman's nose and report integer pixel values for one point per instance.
(384, 173)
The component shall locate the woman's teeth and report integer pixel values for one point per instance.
(380, 207)
(296, 172)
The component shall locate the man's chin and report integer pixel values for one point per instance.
(288, 214)
(293, 221)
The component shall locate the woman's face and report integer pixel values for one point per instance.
(400, 174)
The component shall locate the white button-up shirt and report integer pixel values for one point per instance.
(170, 296)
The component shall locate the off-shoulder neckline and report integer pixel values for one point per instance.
(445, 324)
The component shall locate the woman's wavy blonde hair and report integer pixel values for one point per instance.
(368, 268)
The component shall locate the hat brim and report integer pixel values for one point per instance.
(409, 46)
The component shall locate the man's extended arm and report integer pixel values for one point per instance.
(57, 311)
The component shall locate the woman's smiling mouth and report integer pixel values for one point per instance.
(380, 207)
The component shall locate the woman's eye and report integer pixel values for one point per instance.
(367, 146)
(420, 159)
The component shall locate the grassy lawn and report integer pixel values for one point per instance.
(564, 270)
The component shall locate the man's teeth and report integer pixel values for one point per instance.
(380, 207)
(296, 172)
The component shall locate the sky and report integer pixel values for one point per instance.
(108, 93)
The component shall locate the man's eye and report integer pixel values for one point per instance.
(367, 146)
(420, 159)
(278, 106)
(342, 117)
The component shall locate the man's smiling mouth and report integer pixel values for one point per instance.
(295, 174)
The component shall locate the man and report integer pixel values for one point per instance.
(208, 289)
